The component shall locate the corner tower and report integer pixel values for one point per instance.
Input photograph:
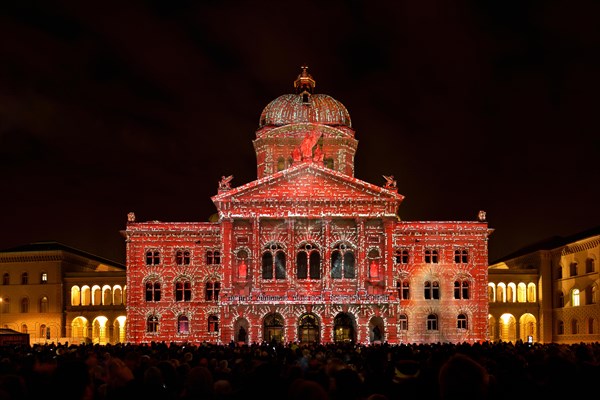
(304, 127)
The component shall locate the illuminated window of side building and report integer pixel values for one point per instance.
(44, 278)
(560, 327)
(573, 269)
(590, 266)
(24, 305)
(44, 304)
(575, 298)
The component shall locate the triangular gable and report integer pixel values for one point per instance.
(308, 182)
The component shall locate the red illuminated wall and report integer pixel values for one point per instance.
(307, 201)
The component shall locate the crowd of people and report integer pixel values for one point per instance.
(171, 371)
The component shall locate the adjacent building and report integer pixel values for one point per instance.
(547, 292)
(56, 293)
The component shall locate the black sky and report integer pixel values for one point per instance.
(143, 106)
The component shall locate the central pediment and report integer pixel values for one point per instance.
(308, 189)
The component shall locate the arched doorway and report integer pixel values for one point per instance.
(508, 328)
(240, 330)
(343, 329)
(273, 328)
(308, 329)
(376, 330)
(528, 326)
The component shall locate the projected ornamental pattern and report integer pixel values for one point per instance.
(307, 252)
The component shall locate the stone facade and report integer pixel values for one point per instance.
(56, 293)
(307, 252)
(548, 291)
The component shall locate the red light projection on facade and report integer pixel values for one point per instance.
(307, 252)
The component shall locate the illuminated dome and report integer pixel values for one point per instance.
(305, 107)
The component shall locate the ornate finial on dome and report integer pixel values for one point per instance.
(305, 82)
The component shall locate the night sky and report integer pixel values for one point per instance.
(143, 106)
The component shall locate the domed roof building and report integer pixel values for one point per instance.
(307, 252)
(292, 118)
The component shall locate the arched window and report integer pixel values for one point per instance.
(152, 291)
(401, 256)
(213, 323)
(24, 305)
(342, 262)
(403, 322)
(561, 299)
(212, 290)
(491, 292)
(431, 256)
(461, 289)
(6, 279)
(574, 326)
(182, 257)
(432, 290)
(560, 327)
(152, 324)
(559, 272)
(575, 298)
(44, 304)
(573, 269)
(521, 292)
(432, 322)
(5, 305)
(24, 278)
(590, 266)
(461, 256)
(183, 324)
(75, 296)
(273, 262)
(531, 295)
(461, 322)
(43, 278)
(213, 257)
(183, 290)
(152, 257)
(403, 288)
(308, 262)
